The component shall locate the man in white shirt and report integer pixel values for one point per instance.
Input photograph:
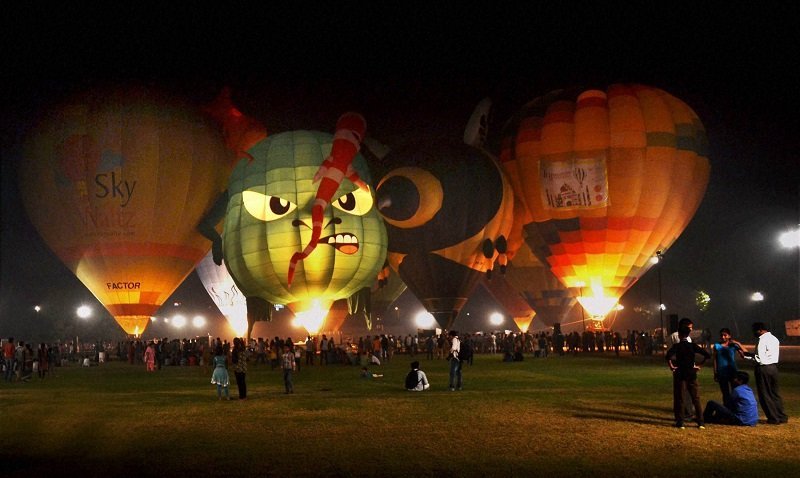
(766, 372)
(421, 382)
(455, 361)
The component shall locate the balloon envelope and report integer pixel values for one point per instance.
(441, 203)
(223, 291)
(115, 181)
(609, 178)
(268, 219)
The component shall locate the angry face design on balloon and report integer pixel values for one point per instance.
(285, 239)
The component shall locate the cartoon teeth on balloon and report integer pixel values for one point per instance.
(278, 223)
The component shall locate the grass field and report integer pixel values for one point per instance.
(561, 416)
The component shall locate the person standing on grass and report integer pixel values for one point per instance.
(8, 356)
(44, 360)
(239, 357)
(150, 357)
(310, 351)
(220, 376)
(740, 409)
(723, 353)
(681, 360)
(288, 366)
(766, 371)
(455, 361)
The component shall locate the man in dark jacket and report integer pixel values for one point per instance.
(681, 360)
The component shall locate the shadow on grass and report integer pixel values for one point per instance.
(628, 413)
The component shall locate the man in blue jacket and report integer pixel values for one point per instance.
(741, 408)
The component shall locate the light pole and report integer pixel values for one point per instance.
(758, 297)
(659, 257)
(791, 240)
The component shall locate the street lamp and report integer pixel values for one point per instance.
(198, 321)
(658, 258)
(790, 239)
(424, 320)
(84, 312)
(178, 321)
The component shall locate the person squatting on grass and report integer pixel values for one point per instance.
(740, 408)
(681, 360)
(220, 376)
(417, 380)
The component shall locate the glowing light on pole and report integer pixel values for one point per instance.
(496, 318)
(790, 239)
(84, 312)
(425, 320)
(178, 321)
(198, 321)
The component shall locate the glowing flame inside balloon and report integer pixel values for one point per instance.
(312, 318)
(597, 304)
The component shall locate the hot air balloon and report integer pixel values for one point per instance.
(510, 299)
(371, 302)
(546, 295)
(115, 181)
(442, 202)
(228, 298)
(609, 177)
(276, 211)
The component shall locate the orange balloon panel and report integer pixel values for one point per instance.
(609, 177)
(115, 182)
(508, 298)
(540, 287)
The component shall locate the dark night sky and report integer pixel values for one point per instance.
(419, 73)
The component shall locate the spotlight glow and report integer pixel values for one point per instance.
(496, 318)
(178, 321)
(84, 312)
(424, 320)
(198, 321)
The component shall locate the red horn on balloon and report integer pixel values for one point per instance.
(350, 129)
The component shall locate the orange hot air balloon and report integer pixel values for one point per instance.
(609, 177)
(511, 300)
(546, 295)
(116, 181)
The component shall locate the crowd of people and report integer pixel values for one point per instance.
(685, 357)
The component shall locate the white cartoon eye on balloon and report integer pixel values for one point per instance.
(357, 202)
(265, 207)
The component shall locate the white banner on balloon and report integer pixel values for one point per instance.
(574, 184)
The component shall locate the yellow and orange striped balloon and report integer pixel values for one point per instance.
(609, 178)
(115, 181)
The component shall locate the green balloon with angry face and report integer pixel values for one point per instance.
(268, 219)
